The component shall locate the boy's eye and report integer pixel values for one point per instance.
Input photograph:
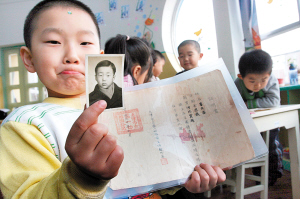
(85, 43)
(252, 82)
(53, 42)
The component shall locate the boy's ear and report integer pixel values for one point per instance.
(136, 71)
(201, 55)
(240, 76)
(27, 59)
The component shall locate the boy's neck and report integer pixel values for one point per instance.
(58, 95)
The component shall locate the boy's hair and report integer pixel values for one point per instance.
(255, 61)
(44, 5)
(105, 63)
(158, 54)
(136, 52)
(193, 42)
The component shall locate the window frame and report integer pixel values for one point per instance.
(24, 86)
(283, 29)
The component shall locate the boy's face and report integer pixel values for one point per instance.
(158, 67)
(255, 82)
(189, 56)
(105, 76)
(61, 39)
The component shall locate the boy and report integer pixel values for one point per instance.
(54, 149)
(189, 54)
(106, 89)
(159, 62)
(259, 88)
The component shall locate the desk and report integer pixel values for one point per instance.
(284, 116)
(290, 94)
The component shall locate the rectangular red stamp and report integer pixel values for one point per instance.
(164, 161)
(128, 121)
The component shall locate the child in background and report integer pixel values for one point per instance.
(106, 89)
(137, 65)
(259, 88)
(189, 54)
(158, 64)
(55, 149)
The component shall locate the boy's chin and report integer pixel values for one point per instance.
(68, 94)
(189, 67)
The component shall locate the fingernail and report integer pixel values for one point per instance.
(102, 103)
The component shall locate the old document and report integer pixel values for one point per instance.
(166, 130)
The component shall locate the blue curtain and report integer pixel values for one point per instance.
(249, 23)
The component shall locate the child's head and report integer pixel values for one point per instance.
(158, 63)
(189, 54)
(32, 17)
(58, 34)
(137, 56)
(105, 73)
(255, 68)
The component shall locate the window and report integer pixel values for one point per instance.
(21, 87)
(279, 25)
(195, 20)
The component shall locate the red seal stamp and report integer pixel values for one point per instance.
(128, 121)
(164, 161)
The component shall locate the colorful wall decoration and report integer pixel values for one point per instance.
(141, 18)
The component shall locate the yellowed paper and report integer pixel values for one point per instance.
(165, 131)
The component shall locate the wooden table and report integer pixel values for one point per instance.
(284, 116)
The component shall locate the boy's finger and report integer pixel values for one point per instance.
(194, 182)
(213, 177)
(114, 162)
(91, 138)
(220, 173)
(85, 120)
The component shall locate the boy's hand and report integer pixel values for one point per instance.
(90, 147)
(204, 178)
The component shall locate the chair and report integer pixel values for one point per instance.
(238, 183)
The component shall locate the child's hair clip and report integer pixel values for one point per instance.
(127, 37)
(69, 12)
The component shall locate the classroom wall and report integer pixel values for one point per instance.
(13, 13)
(1, 94)
(230, 36)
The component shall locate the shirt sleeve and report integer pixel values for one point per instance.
(30, 169)
(169, 191)
(237, 84)
(272, 94)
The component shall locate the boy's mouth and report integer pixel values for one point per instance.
(70, 72)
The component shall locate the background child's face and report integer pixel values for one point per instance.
(189, 56)
(61, 39)
(255, 82)
(105, 76)
(158, 67)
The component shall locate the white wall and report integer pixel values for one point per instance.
(13, 13)
(12, 16)
(229, 33)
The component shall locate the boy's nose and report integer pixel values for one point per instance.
(71, 56)
(258, 85)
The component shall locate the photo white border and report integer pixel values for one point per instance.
(91, 60)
